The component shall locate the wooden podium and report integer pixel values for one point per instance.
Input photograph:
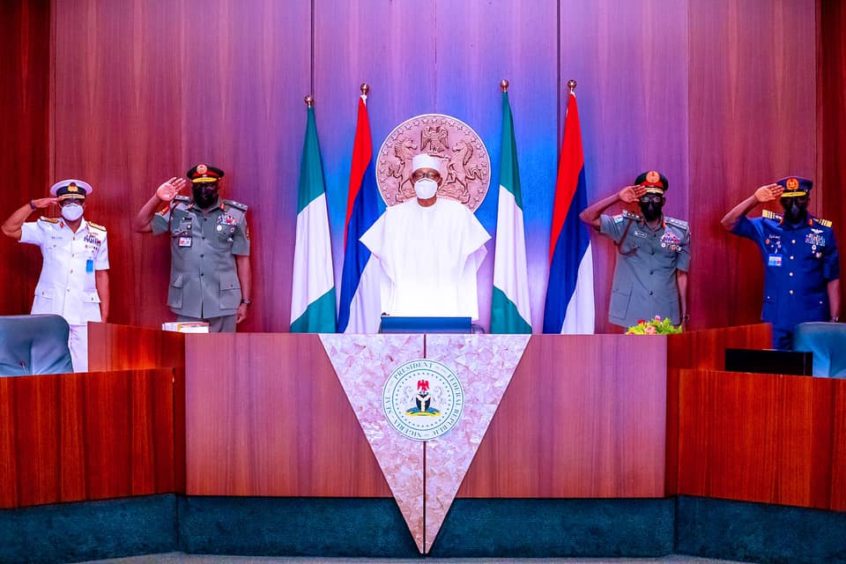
(605, 416)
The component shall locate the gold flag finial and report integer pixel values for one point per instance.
(365, 88)
(309, 101)
(503, 85)
(571, 84)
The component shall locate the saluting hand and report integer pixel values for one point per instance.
(631, 194)
(168, 190)
(769, 193)
(42, 203)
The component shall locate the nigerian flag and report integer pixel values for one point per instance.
(510, 312)
(313, 293)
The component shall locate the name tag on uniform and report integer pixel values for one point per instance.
(774, 260)
(185, 241)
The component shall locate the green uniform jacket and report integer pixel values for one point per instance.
(645, 276)
(203, 278)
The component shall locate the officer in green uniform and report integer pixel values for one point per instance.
(653, 258)
(210, 275)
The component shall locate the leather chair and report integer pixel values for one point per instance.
(34, 344)
(827, 341)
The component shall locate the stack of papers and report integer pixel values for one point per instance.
(186, 326)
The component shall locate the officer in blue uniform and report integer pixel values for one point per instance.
(653, 259)
(801, 262)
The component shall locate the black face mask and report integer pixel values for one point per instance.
(795, 210)
(205, 195)
(651, 210)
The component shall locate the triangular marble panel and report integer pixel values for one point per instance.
(363, 364)
(484, 366)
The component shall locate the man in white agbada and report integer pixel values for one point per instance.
(429, 249)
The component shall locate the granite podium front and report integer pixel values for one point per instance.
(603, 445)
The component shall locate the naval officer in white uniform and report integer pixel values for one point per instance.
(74, 280)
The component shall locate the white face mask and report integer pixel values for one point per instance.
(72, 212)
(425, 188)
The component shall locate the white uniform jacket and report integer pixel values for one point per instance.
(67, 286)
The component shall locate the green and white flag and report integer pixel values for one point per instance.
(510, 311)
(313, 293)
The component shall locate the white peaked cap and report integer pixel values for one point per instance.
(427, 161)
(66, 183)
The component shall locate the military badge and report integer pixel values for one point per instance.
(792, 184)
(652, 176)
(202, 169)
(815, 239)
(423, 399)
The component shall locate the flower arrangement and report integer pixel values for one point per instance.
(654, 326)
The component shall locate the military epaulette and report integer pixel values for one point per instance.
(680, 223)
(629, 215)
(181, 198)
(771, 215)
(823, 222)
(236, 205)
(96, 226)
(49, 219)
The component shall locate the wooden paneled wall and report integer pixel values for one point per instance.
(831, 116)
(24, 141)
(718, 94)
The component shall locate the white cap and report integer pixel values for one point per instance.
(427, 161)
(74, 186)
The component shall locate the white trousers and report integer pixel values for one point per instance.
(78, 344)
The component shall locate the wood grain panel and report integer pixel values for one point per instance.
(125, 347)
(631, 62)
(77, 437)
(753, 437)
(25, 142)
(8, 430)
(838, 455)
(266, 415)
(706, 350)
(583, 417)
(752, 120)
(153, 96)
(831, 116)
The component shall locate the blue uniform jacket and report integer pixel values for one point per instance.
(799, 262)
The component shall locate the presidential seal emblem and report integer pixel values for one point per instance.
(423, 399)
(466, 160)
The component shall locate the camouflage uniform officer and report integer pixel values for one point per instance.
(210, 274)
(650, 278)
(801, 261)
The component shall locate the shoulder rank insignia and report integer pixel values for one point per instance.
(49, 219)
(236, 205)
(680, 223)
(96, 226)
(181, 198)
(630, 215)
(771, 215)
(823, 222)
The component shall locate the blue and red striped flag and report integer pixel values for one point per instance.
(570, 304)
(360, 310)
